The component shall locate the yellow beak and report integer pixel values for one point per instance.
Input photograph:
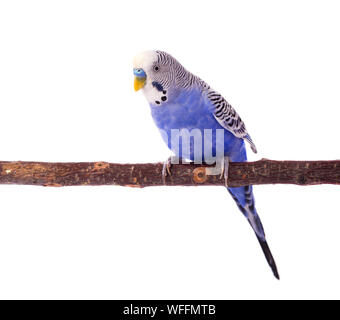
(139, 83)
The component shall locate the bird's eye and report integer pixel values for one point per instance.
(156, 68)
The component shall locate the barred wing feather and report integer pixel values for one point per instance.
(228, 118)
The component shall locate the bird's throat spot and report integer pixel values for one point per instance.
(163, 99)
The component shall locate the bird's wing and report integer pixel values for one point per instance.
(228, 117)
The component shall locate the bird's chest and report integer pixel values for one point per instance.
(187, 110)
(189, 128)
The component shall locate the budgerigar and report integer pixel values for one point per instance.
(180, 100)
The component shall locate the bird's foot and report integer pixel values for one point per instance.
(225, 170)
(166, 171)
(220, 169)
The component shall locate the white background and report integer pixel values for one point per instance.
(66, 94)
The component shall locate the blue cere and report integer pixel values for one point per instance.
(140, 73)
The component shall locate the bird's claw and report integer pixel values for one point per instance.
(225, 170)
(166, 170)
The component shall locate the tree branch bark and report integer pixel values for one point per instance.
(150, 174)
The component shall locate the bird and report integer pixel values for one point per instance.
(187, 111)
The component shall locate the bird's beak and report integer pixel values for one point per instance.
(139, 83)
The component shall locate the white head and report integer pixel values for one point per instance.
(145, 60)
(157, 74)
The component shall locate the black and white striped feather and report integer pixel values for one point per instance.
(228, 118)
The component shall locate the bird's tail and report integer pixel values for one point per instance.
(244, 199)
(269, 256)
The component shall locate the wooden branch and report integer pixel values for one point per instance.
(150, 174)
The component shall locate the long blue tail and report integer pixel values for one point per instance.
(245, 201)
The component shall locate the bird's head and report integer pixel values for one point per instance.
(157, 73)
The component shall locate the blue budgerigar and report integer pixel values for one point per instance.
(179, 101)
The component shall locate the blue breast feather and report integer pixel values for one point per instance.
(192, 110)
